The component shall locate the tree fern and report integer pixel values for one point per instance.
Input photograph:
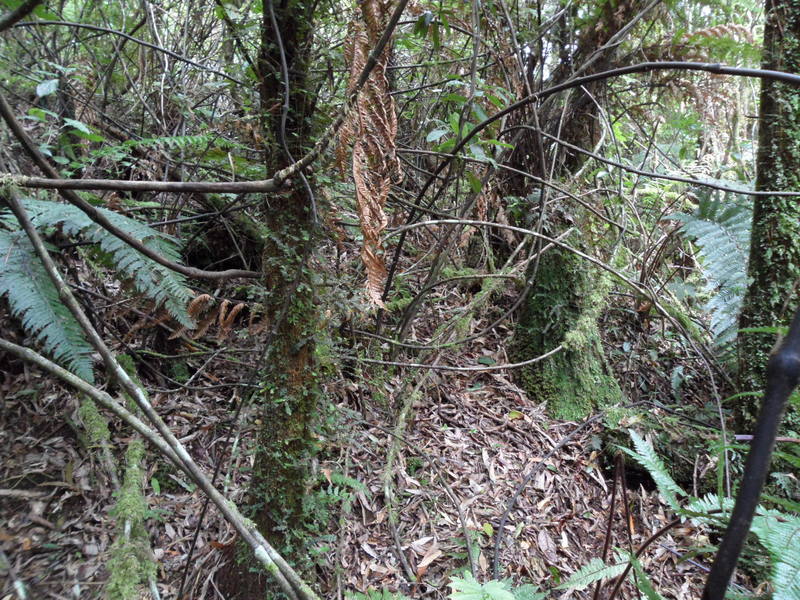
(721, 230)
(34, 301)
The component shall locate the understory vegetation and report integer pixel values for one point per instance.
(387, 300)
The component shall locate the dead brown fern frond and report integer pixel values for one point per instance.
(372, 131)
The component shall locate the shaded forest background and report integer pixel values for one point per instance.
(307, 299)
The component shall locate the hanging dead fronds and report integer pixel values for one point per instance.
(371, 129)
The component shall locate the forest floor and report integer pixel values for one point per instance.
(469, 443)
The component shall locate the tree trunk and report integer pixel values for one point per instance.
(565, 298)
(774, 266)
(289, 380)
(562, 309)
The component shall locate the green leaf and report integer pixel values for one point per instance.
(44, 14)
(474, 183)
(479, 113)
(499, 144)
(455, 122)
(80, 126)
(458, 99)
(467, 588)
(38, 114)
(477, 152)
(528, 592)
(435, 37)
(445, 146)
(46, 88)
(155, 485)
(436, 135)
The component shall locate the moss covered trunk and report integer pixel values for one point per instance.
(289, 376)
(287, 401)
(774, 265)
(562, 309)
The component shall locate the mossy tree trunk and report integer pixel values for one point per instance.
(289, 379)
(562, 308)
(774, 265)
(565, 299)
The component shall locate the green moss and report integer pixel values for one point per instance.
(562, 308)
(96, 426)
(131, 505)
(130, 563)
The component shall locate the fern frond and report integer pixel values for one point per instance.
(595, 570)
(165, 287)
(643, 580)
(720, 229)
(34, 301)
(646, 456)
(780, 535)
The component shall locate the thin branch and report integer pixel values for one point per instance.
(206, 187)
(438, 367)
(275, 564)
(633, 284)
(651, 174)
(174, 55)
(19, 13)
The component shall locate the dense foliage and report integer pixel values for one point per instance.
(334, 236)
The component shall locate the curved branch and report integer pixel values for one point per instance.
(437, 367)
(651, 174)
(595, 261)
(715, 68)
(92, 212)
(19, 13)
(136, 40)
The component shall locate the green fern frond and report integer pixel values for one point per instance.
(165, 287)
(721, 230)
(180, 142)
(646, 456)
(707, 509)
(381, 594)
(779, 533)
(643, 582)
(34, 301)
(595, 570)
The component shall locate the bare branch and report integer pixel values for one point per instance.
(22, 11)
(96, 216)
(133, 39)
